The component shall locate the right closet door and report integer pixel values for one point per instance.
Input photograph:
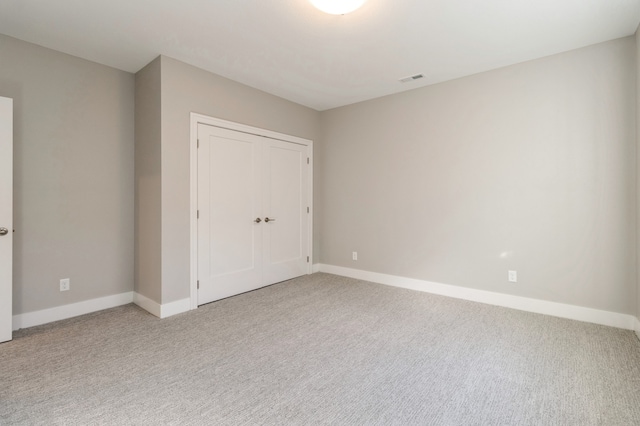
(252, 212)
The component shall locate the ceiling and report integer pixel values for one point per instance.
(290, 49)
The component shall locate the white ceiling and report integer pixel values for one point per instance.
(290, 49)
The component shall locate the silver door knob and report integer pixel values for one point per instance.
(258, 220)
(266, 219)
(4, 231)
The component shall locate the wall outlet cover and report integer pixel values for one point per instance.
(65, 284)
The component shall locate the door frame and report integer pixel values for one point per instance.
(197, 119)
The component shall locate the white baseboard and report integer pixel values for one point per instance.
(162, 311)
(637, 328)
(175, 308)
(579, 313)
(151, 306)
(315, 268)
(31, 319)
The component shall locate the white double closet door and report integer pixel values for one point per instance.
(252, 212)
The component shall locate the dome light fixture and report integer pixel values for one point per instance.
(337, 7)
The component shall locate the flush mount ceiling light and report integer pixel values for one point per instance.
(337, 7)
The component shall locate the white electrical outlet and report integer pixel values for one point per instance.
(513, 276)
(354, 255)
(65, 284)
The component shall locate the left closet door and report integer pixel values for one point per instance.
(230, 218)
(6, 218)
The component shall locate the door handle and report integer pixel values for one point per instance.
(4, 231)
(258, 220)
(266, 219)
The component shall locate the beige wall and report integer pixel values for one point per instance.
(186, 89)
(147, 182)
(73, 170)
(528, 168)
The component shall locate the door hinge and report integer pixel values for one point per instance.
(198, 284)
(307, 160)
(198, 145)
(197, 214)
(307, 209)
(307, 259)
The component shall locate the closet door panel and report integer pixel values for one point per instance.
(229, 196)
(285, 204)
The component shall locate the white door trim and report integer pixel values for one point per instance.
(193, 172)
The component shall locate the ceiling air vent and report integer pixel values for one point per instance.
(411, 78)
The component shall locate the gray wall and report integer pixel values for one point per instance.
(148, 182)
(529, 168)
(73, 170)
(186, 89)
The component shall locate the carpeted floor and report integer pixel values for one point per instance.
(322, 350)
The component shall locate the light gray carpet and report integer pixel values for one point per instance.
(321, 350)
